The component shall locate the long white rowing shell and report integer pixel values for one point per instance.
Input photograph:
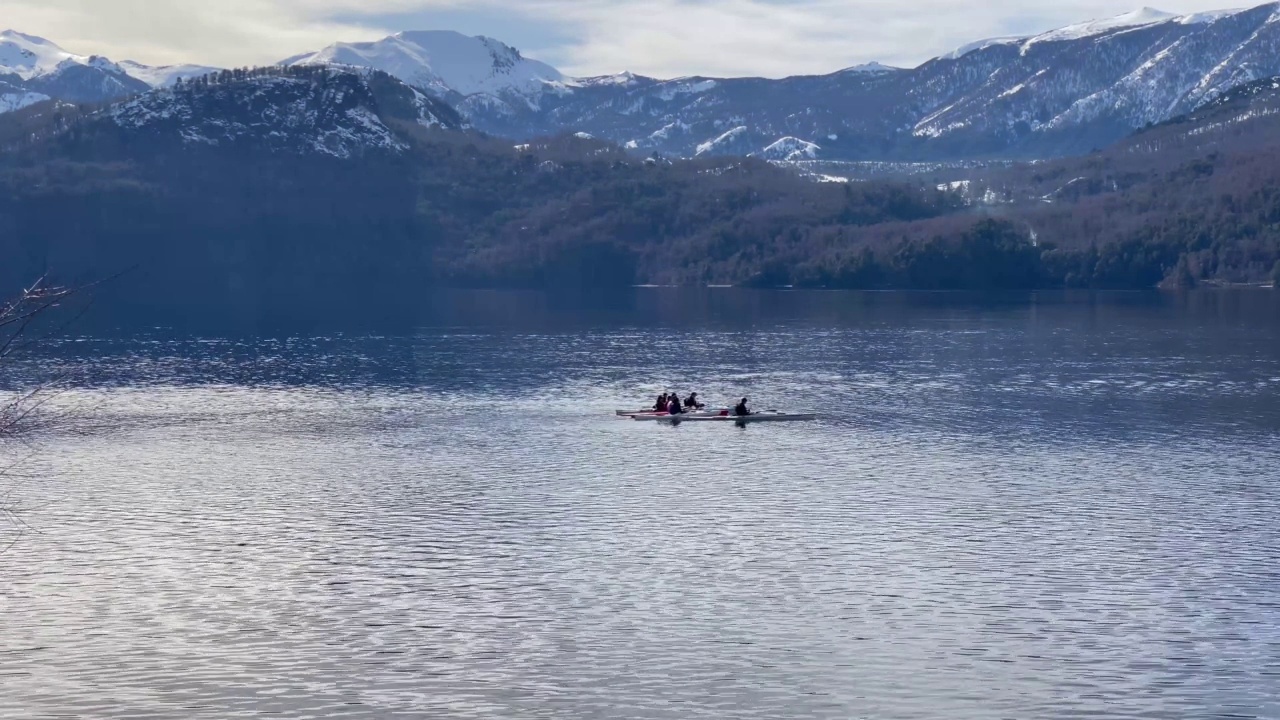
(753, 418)
(635, 413)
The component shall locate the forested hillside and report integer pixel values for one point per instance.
(1193, 200)
(310, 187)
(377, 197)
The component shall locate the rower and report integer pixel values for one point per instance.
(741, 409)
(691, 402)
(673, 406)
(661, 405)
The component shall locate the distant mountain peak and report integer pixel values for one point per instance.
(871, 68)
(15, 35)
(28, 56)
(1141, 17)
(444, 62)
(37, 60)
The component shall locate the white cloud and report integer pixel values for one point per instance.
(663, 38)
(774, 38)
(216, 32)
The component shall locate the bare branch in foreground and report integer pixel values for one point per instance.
(29, 412)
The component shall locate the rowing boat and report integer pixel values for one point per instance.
(771, 416)
(634, 413)
(684, 415)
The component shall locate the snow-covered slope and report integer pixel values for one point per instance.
(1123, 73)
(445, 63)
(28, 56)
(12, 101)
(1246, 116)
(982, 45)
(1137, 18)
(789, 149)
(733, 141)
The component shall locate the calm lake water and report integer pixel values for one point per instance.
(1025, 507)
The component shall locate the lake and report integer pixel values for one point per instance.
(1049, 506)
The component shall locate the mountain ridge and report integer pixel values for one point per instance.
(312, 110)
(34, 70)
(442, 61)
(1056, 93)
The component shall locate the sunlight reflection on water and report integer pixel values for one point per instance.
(995, 517)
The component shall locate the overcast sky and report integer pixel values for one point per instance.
(664, 38)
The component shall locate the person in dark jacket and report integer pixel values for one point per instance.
(741, 409)
(673, 406)
(691, 402)
(661, 405)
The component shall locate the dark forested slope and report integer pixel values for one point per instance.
(315, 186)
(1200, 193)
(305, 184)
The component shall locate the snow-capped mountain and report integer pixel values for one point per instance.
(1061, 92)
(28, 56)
(448, 64)
(33, 69)
(340, 112)
(1095, 81)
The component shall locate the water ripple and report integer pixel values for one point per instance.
(976, 528)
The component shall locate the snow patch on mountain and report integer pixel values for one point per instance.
(1209, 16)
(624, 78)
(11, 102)
(789, 149)
(935, 130)
(1242, 117)
(721, 142)
(665, 132)
(871, 68)
(673, 88)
